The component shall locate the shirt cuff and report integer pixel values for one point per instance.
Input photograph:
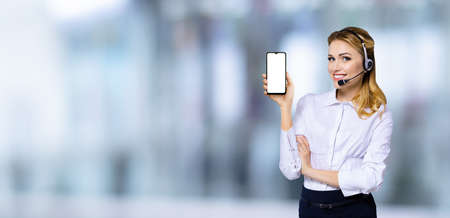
(290, 131)
(289, 153)
(291, 141)
(344, 179)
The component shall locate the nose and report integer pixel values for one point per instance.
(336, 66)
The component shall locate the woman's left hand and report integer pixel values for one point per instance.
(304, 152)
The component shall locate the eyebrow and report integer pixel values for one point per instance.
(341, 54)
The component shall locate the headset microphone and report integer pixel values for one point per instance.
(344, 81)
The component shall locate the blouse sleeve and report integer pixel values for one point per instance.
(366, 175)
(290, 163)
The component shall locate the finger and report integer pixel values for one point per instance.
(302, 148)
(289, 81)
(265, 81)
(300, 144)
(299, 147)
(298, 138)
(265, 87)
(263, 75)
(306, 143)
(265, 92)
(305, 140)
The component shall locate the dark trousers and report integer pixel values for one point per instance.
(363, 208)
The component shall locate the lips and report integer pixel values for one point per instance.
(339, 76)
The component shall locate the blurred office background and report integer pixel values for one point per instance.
(154, 108)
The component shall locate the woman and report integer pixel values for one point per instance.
(339, 140)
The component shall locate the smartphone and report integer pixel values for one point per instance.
(276, 72)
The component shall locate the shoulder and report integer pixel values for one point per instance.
(385, 115)
(305, 102)
(305, 98)
(325, 96)
(385, 111)
(309, 98)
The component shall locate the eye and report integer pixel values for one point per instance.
(346, 58)
(330, 59)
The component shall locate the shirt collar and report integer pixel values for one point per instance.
(330, 99)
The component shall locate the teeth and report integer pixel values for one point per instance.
(338, 76)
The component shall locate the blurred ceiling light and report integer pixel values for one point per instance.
(288, 6)
(79, 9)
(357, 4)
(217, 8)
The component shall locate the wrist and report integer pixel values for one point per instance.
(286, 117)
(286, 108)
(306, 170)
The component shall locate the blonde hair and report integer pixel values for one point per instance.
(370, 95)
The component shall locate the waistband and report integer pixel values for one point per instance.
(325, 196)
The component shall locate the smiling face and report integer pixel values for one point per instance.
(344, 62)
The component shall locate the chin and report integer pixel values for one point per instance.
(336, 85)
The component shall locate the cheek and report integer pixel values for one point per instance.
(351, 67)
(330, 69)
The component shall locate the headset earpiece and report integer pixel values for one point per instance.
(368, 65)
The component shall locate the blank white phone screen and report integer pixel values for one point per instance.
(276, 72)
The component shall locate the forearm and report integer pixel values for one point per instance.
(329, 177)
(286, 117)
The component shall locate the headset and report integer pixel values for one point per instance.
(368, 63)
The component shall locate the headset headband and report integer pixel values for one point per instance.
(368, 63)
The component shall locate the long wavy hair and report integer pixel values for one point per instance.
(370, 96)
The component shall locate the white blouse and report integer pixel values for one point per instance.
(339, 140)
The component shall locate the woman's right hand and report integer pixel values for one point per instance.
(284, 101)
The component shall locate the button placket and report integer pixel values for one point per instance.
(340, 116)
